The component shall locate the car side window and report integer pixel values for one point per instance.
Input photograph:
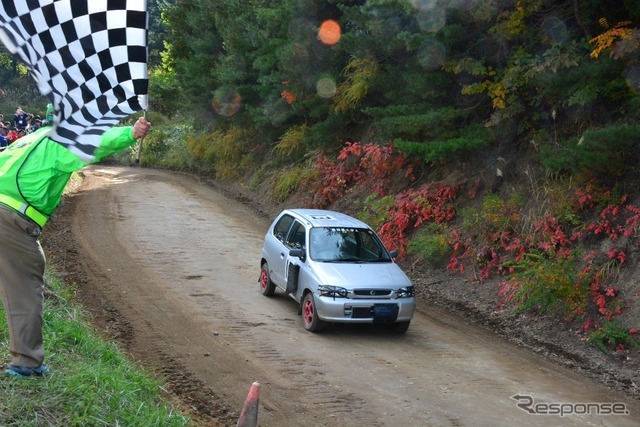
(296, 238)
(282, 226)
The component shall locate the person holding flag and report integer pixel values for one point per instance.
(92, 85)
(36, 170)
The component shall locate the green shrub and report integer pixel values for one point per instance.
(545, 282)
(201, 147)
(376, 210)
(23, 92)
(165, 91)
(328, 134)
(163, 143)
(288, 181)
(426, 126)
(500, 214)
(610, 151)
(259, 176)
(178, 157)
(466, 141)
(430, 244)
(610, 335)
(231, 148)
(291, 143)
(227, 153)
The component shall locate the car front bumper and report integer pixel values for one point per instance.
(345, 310)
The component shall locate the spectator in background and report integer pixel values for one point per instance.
(21, 118)
(11, 135)
(3, 140)
(37, 124)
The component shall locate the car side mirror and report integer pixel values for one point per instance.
(297, 253)
(393, 254)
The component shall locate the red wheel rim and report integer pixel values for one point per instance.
(307, 311)
(263, 279)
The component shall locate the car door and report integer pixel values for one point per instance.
(296, 239)
(275, 251)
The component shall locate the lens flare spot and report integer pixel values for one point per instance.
(432, 54)
(226, 102)
(326, 87)
(555, 29)
(329, 32)
(431, 17)
(434, 20)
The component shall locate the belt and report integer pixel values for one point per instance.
(25, 209)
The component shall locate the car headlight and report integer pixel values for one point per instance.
(332, 291)
(405, 292)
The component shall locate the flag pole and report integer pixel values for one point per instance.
(144, 101)
(144, 98)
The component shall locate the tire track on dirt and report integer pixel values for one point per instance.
(306, 376)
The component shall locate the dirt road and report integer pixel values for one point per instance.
(169, 267)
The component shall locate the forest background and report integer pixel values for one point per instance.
(493, 143)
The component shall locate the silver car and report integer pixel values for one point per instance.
(337, 268)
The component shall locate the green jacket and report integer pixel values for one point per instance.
(34, 170)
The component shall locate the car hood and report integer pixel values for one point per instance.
(365, 275)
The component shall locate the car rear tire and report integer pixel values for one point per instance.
(309, 316)
(399, 327)
(267, 287)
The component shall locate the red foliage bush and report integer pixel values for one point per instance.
(430, 203)
(357, 164)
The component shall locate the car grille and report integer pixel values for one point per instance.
(372, 293)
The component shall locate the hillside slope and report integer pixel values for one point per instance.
(478, 301)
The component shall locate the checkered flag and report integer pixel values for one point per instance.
(88, 57)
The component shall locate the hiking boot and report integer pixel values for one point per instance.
(25, 371)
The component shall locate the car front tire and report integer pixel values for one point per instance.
(309, 316)
(267, 287)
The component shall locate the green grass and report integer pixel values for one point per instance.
(429, 243)
(609, 335)
(92, 383)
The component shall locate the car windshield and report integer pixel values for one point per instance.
(338, 244)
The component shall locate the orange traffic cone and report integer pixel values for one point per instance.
(249, 414)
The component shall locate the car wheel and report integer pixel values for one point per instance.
(399, 327)
(309, 316)
(267, 287)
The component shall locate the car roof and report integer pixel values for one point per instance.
(326, 218)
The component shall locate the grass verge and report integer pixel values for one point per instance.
(91, 382)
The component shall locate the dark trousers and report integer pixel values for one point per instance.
(22, 264)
